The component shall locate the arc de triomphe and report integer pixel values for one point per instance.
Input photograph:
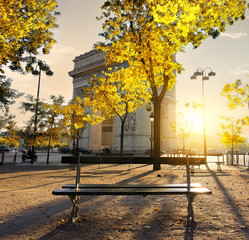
(138, 127)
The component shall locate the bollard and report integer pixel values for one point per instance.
(2, 162)
(218, 165)
(14, 160)
(192, 169)
(228, 158)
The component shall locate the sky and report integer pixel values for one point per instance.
(227, 56)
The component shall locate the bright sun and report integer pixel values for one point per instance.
(196, 120)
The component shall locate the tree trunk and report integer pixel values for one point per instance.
(232, 153)
(157, 134)
(32, 154)
(49, 142)
(122, 138)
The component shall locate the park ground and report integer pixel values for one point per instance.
(30, 211)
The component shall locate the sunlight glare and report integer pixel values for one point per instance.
(196, 121)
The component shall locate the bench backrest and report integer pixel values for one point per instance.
(134, 160)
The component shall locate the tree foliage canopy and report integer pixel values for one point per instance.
(37, 118)
(12, 136)
(149, 33)
(7, 94)
(182, 127)
(25, 27)
(237, 94)
(75, 115)
(117, 93)
(231, 131)
(54, 131)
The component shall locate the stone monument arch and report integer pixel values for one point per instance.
(137, 128)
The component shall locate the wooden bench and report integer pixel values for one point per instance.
(74, 191)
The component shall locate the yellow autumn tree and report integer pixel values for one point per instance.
(183, 129)
(231, 132)
(12, 137)
(33, 132)
(149, 33)
(117, 93)
(54, 130)
(76, 116)
(237, 94)
(25, 27)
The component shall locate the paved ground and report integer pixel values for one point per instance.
(30, 211)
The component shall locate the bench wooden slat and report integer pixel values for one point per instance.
(130, 191)
(179, 185)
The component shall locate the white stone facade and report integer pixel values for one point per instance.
(138, 127)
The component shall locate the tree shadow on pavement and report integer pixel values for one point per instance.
(230, 201)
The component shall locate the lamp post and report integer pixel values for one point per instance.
(151, 133)
(202, 72)
(41, 66)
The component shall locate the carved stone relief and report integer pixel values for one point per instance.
(130, 124)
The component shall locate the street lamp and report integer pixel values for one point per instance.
(41, 66)
(205, 77)
(151, 134)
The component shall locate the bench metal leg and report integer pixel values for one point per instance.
(218, 167)
(75, 209)
(191, 198)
